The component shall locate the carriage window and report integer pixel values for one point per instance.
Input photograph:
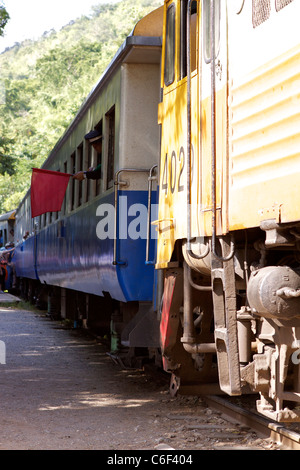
(99, 159)
(261, 10)
(110, 116)
(169, 72)
(89, 165)
(279, 4)
(80, 166)
(73, 170)
(183, 37)
(55, 214)
(206, 29)
(43, 220)
(64, 207)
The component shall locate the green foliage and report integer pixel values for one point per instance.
(45, 83)
(4, 17)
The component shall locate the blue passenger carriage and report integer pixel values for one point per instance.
(96, 255)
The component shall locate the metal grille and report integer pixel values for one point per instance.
(281, 4)
(260, 11)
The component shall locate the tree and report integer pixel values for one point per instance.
(4, 17)
(46, 81)
(7, 163)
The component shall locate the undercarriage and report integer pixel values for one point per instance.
(232, 324)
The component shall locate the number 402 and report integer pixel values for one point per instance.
(173, 178)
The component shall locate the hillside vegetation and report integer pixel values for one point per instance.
(43, 83)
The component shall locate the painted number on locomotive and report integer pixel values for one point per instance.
(173, 178)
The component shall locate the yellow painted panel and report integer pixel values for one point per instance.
(205, 177)
(265, 144)
(172, 217)
(171, 223)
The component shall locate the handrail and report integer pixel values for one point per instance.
(213, 136)
(188, 172)
(118, 183)
(150, 179)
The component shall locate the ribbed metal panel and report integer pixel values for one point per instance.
(265, 120)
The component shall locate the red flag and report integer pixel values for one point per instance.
(48, 190)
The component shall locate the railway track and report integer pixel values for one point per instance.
(212, 422)
(285, 435)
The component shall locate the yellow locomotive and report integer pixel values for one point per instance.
(229, 191)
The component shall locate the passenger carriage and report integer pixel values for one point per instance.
(98, 245)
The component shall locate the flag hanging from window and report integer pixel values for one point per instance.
(48, 190)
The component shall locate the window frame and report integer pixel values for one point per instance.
(79, 163)
(170, 53)
(99, 159)
(110, 118)
(183, 40)
(72, 182)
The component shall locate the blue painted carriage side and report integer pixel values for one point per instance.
(71, 254)
(24, 258)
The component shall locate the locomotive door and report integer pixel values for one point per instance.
(213, 118)
(174, 179)
(173, 221)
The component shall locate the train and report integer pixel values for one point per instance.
(186, 248)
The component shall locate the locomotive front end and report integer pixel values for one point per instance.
(229, 218)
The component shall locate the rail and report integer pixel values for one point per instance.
(277, 432)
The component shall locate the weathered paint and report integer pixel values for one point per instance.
(172, 115)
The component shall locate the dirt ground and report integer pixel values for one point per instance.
(60, 390)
